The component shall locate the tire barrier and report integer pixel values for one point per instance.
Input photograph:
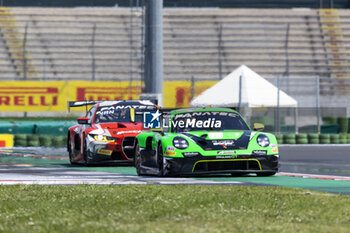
(58, 128)
(325, 138)
(313, 138)
(20, 140)
(343, 138)
(334, 138)
(45, 141)
(289, 139)
(279, 138)
(32, 140)
(59, 141)
(301, 138)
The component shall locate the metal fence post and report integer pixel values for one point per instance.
(93, 68)
(25, 52)
(219, 51)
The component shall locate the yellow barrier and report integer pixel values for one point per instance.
(37, 96)
(32, 96)
(6, 140)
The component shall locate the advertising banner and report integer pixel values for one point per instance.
(6, 140)
(32, 96)
(122, 90)
(178, 94)
(37, 96)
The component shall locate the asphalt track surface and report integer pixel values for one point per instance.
(315, 167)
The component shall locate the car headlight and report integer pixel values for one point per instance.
(103, 138)
(180, 143)
(263, 140)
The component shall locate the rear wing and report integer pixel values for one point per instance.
(136, 103)
(72, 104)
(161, 110)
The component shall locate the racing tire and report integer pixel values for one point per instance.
(160, 159)
(266, 174)
(85, 155)
(238, 174)
(137, 159)
(70, 154)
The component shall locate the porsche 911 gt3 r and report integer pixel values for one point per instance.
(107, 133)
(206, 141)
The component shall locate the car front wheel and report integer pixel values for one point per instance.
(160, 159)
(266, 174)
(137, 159)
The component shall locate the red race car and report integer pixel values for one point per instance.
(107, 133)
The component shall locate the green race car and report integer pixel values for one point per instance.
(206, 141)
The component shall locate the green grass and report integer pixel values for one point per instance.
(176, 208)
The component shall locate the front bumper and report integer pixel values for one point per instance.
(212, 165)
(104, 153)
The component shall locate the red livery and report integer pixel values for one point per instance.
(107, 133)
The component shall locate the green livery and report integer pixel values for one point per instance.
(205, 141)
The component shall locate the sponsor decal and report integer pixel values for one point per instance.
(224, 143)
(151, 120)
(171, 148)
(168, 152)
(130, 131)
(274, 150)
(190, 154)
(104, 151)
(224, 157)
(273, 145)
(206, 114)
(259, 152)
(215, 135)
(226, 152)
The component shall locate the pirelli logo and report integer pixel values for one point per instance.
(107, 93)
(28, 96)
(33, 96)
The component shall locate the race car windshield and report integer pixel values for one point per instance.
(104, 115)
(208, 121)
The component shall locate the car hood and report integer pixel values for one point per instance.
(220, 140)
(116, 129)
(215, 135)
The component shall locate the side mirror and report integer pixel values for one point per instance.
(83, 120)
(258, 127)
(132, 114)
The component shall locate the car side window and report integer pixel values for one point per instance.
(90, 113)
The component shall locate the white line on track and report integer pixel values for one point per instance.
(11, 175)
(314, 176)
